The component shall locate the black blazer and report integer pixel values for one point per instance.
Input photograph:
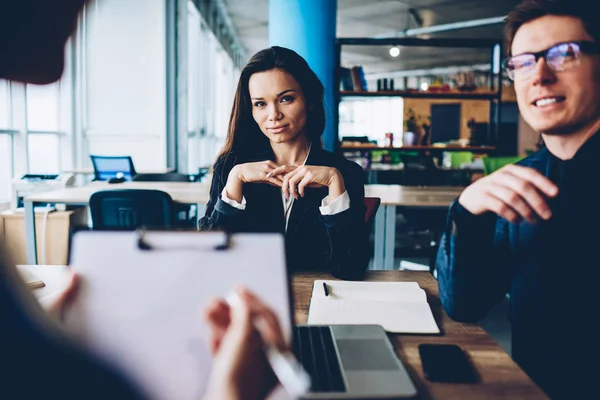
(337, 244)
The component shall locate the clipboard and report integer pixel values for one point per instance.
(140, 300)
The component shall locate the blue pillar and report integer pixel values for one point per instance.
(309, 28)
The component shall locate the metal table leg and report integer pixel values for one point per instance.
(30, 237)
(379, 240)
(390, 237)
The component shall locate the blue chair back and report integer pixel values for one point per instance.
(130, 209)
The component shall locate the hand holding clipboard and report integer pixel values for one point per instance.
(162, 280)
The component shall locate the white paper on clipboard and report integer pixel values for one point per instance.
(141, 310)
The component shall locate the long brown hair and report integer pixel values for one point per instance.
(244, 135)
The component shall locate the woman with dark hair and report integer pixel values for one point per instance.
(273, 174)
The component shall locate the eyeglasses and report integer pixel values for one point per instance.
(559, 57)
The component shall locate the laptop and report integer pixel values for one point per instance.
(350, 361)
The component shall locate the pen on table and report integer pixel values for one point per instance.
(325, 288)
(294, 379)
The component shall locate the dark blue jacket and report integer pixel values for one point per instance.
(550, 270)
(40, 363)
(337, 243)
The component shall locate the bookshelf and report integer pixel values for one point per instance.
(421, 95)
(474, 149)
(491, 94)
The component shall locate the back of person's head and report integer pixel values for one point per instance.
(244, 135)
(33, 34)
(529, 10)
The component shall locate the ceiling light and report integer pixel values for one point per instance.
(395, 51)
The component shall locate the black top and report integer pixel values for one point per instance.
(337, 243)
(39, 363)
(551, 270)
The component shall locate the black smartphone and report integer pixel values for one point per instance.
(446, 363)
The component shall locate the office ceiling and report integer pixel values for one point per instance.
(369, 18)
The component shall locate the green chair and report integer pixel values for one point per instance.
(458, 158)
(491, 164)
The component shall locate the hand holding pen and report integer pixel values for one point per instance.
(250, 350)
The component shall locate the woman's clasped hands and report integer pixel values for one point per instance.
(292, 179)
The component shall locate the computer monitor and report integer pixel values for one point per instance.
(107, 167)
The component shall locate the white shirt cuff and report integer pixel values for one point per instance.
(233, 203)
(342, 203)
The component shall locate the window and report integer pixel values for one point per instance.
(5, 110)
(31, 129)
(218, 83)
(224, 95)
(43, 107)
(43, 153)
(371, 117)
(6, 166)
(194, 86)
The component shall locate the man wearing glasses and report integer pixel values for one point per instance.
(532, 229)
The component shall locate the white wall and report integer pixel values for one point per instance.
(125, 80)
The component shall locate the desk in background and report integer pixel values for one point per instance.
(182, 192)
(392, 196)
(90, 171)
(500, 377)
(52, 234)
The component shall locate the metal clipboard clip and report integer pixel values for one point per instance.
(143, 244)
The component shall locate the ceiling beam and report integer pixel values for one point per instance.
(443, 27)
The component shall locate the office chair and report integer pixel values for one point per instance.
(372, 204)
(130, 209)
(458, 158)
(419, 170)
(170, 177)
(107, 167)
(457, 176)
(202, 172)
(185, 214)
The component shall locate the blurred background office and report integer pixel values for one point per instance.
(414, 93)
(154, 79)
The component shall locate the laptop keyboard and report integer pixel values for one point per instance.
(315, 350)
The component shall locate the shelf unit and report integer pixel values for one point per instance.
(493, 94)
(474, 149)
(421, 95)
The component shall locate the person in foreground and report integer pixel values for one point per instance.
(531, 229)
(42, 362)
(273, 175)
(37, 360)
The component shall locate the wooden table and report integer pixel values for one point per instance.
(393, 196)
(500, 377)
(181, 192)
